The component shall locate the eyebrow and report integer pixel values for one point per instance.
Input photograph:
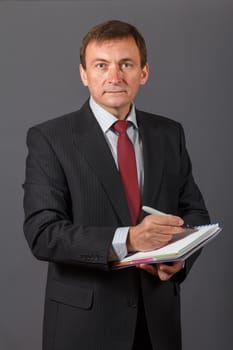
(99, 59)
(104, 60)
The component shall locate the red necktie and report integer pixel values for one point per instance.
(128, 169)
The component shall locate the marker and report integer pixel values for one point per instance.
(153, 211)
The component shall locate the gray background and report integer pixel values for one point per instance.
(190, 55)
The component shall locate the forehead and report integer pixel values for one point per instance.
(122, 47)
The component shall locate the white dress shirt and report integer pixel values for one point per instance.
(106, 120)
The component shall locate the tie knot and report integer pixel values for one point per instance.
(121, 126)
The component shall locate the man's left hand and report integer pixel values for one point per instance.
(163, 271)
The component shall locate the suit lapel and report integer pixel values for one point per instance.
(90, 141)
(153, 156)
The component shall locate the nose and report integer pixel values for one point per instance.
(114, 74)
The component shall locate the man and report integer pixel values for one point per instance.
(86, 180)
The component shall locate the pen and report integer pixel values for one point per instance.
(153, 211)
(150, 210)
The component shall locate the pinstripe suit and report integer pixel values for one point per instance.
(74, 201)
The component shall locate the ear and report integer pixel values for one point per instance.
(144, 74)
(83, 75)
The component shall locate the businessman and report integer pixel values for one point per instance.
(88, 173)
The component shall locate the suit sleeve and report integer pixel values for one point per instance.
(48, 225)
(191, 203)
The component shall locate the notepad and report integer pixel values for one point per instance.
(181, 247)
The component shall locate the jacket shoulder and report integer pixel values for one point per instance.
(157, 120)
(65, 124)
(57, 123)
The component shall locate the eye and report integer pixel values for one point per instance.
(100, 65)
(126, 65)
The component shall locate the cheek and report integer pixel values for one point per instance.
(134, 83)
(98, 80)
(134, 80)
(94, 83)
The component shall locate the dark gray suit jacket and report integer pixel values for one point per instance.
(74, 201)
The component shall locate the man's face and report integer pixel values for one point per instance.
(113, 74)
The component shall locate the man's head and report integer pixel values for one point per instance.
(114, 65)
(112, 30)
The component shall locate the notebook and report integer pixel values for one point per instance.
(181, 247)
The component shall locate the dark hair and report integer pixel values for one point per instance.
(113, 29)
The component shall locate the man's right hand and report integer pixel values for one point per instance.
(155, 231)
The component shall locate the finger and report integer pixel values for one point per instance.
(159, 237)
(165, 272)
(167, 268)
(154, 241)
(152, 269)
(164, 276)
(179, 264)
(151, 224)
(171, 269)
(167, 229)
(167, 220)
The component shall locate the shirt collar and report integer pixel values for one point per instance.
(106, 119)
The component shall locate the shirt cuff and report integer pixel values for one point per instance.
(119, 249)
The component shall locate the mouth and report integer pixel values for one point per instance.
(115, 92)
